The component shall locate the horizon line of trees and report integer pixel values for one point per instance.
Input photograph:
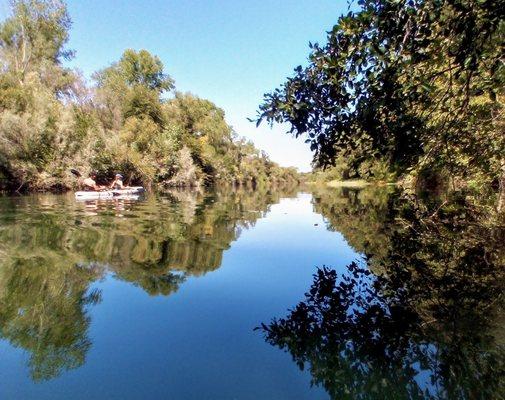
(131, 120)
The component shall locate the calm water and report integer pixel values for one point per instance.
(160, 298)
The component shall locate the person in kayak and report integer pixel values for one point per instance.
(117, 184)
(89, 183)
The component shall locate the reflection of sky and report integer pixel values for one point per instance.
(280, 254)
(199, 342)
(423, 377)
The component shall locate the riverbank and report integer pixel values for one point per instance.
(350, 183)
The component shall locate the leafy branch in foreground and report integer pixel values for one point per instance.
(415, 84)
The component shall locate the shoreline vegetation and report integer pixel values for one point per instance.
(350, 183)
(129, 119)
(401, 91)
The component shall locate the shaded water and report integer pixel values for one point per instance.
(160, 298)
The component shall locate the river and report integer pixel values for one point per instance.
(265, 294)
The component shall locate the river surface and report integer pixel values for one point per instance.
(217, 295)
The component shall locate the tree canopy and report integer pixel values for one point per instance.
(413, 84)
(131, 120)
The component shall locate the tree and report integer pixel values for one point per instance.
(32, 40)
(142, 68)
(132, 87)
(37, 132)
(136, 68)
(50, 121)
(414, 84)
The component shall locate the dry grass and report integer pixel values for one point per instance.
(354, 183)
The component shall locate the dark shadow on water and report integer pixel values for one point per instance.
(422, 319)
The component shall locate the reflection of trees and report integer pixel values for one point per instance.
(50, 254)
(425, 327)
(187, 238)
(43, 310)
(362, 215)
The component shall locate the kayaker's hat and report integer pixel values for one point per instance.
(119, 176)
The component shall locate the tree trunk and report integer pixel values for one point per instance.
(501, 193)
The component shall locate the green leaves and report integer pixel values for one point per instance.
(142, 68)
(408, 76)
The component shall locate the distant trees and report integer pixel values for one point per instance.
(51, 121)
(409, 85)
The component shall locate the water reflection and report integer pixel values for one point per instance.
(53, 248)
(115, 204)
(420, 316)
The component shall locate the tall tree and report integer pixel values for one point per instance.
(33, 40)
(36, 129)
(133, 86)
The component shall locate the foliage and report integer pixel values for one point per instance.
(36, 130)
(408, 84)
(131, 121)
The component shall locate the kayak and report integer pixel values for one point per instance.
(128, 197)
(105, 194)
(90, 194)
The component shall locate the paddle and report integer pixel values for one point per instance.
(79, 175)
(75, 172)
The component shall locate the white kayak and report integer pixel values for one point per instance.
(105, 194)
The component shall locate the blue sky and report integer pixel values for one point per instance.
(228, 51)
